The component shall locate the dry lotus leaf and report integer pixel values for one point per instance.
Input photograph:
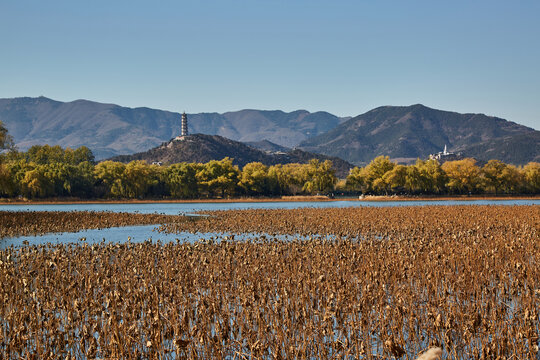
(355, 282)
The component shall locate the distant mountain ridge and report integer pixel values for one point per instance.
(402, 132)
(410, 132)
(201, 148)
(109, 129)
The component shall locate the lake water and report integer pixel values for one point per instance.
(188, 208)
(134, 234)
(145, 232)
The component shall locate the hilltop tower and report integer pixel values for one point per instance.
(184, 125)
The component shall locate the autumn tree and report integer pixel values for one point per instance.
(355, 180)
(463, 175)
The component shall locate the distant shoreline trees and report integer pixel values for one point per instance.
(428, 177)
(51, 171)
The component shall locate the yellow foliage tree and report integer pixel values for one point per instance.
(463, 175)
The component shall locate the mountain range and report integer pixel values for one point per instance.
(408, 132)
(402, 132)
(109, 129)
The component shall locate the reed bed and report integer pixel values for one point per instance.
(389, 283)
(41, 222)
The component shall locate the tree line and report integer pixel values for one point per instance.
(382, 176)
(51, 171)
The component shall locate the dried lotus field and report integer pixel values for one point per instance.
(357, 283)
(41, 222)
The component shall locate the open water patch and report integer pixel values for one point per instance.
(138, 234)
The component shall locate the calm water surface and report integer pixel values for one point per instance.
(187, 208)
(134, 234)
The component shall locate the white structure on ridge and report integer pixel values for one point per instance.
(444, 155)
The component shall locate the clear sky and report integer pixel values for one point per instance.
(345, 57)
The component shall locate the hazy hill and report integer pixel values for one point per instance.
(109, 129)
(409, 132)
(203, 148)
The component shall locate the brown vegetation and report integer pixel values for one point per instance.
(391, 223)
(41, 222)
(391, 282)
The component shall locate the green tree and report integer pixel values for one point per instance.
(218, 178)
(6, 141)
(531, 175)
(36, 183)
(431, 177)
(16, 170)
(374, 172)
(355, 180)
(48, 180)
(83, 180)
(396, 178)
(511, 179)
(138, 177)
(321, 176)
(180, 180)
(8, 186)
(289, 179)
(45, 154)
(110, 180)
(492, 175)
(79, 155)
(413, 179)
(255, 180)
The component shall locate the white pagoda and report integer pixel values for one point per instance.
(184, 128)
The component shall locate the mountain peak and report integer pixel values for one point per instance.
(416, 131)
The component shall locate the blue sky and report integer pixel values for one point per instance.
(345, 57)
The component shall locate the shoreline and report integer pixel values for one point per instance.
(368, 198)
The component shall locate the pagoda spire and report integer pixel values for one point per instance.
(184, 125)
